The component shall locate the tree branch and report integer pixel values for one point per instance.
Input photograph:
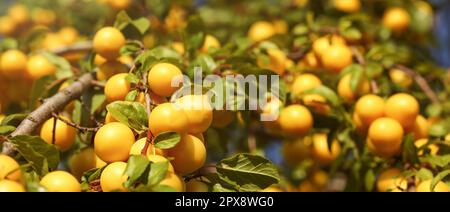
(76, 126)
(77, 47)
(423, 84)
(50, 105)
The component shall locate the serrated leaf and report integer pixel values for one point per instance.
(41, 155)
(132, 78)
(130, 48)
(356, 79)
(157, 173)
(247, 172)
(326, 92)
(162, 188)
(167, 140)
(137, 167)
(39, 90)
(132, 114)
(438, 160)
(438, 178)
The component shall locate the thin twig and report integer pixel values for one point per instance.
(54, 131)
(97, 83)
(359, 57)
(148, 101)
(423, 84)
(76, 126)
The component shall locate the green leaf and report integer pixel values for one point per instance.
(122, 20)
(133, 114)
(438, 178)
(130, 48)
(157, 173)
(41, 155)
(141, 24)
(162, 52)
(6, 130)
(63, 67)
(434, 110)
(438, 130)
(438, 160)
(356, 79)
(132, 78)
(326, 92)
(369, 180)
(424, 174)
(162, 188)
(247, 172)
(167, 140)
(373, 69)
(131, 96)
(137, 166)
(39, 90)
(90, 176)
(13, 119)
(219, 188)
(409, 149)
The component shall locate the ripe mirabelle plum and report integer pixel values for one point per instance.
(271, 189)
(404, 108)
(309, 61)
(420, 128)
(385, 136)
(189, 154)
(280, 26)
(113, 177)
(425, 186)
(64, 134)
(174, 181)
(8, 26)
(108, 41)
(400, 78)
(196, 186)
(109, 118)
(113, 142)
(322, 44)
(167, 117)
(260, 31)
(432, 148)
(160, 79)
(296, 120)
(198, 111)
(139, 145)
(41, 16)
(119, 4)
(38, 66)
(19, 13)
(9, 168)
(345, 91)
(304, 82)
(297, 150)
(319, 178)
(396, 19)
(277, 61)
(117, 87)
(222, 118)
(336, 58)
(60, 181)
(11, 186)
(83, 161)
(179, 47)
(13, 64)
(391, 180)
(369, 108)
(68, 35)
(110, 68)
(348, 6)
(210, 42)
(321, 152)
